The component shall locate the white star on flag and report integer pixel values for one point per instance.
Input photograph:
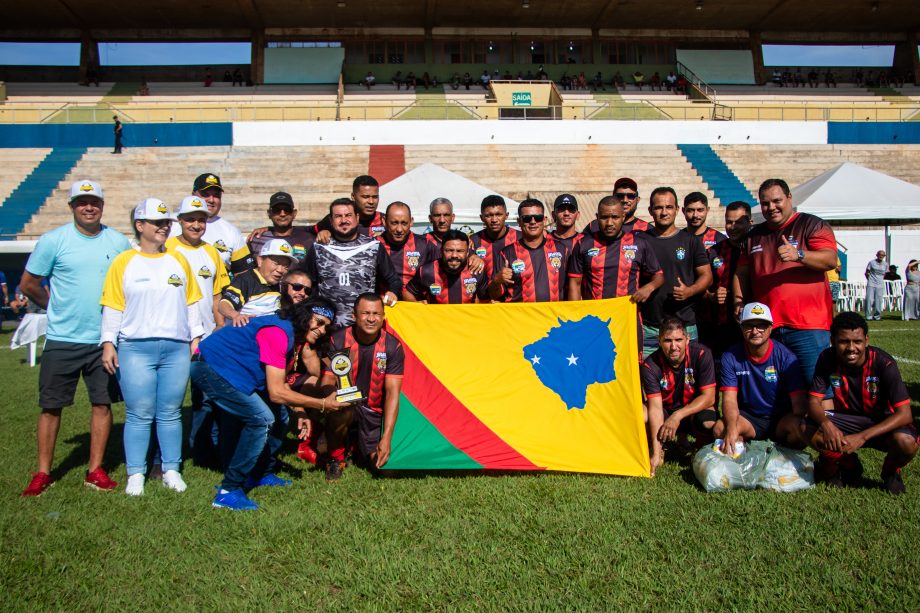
(573, 360)
(535, 359)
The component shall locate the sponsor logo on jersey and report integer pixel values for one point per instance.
(663, 382)
(756, 248)
(792, 241)
(204, 272)
(377, 229)
(681, 253)
(835, 381)
(470, 286)
(708, 244)
(593, 251)
(717, 263)
(742, 373)
(299, 251)
(555, 259)
(381, 359)
(770, 374)
(174, 280)
(481, 252)
(435, 289)
(221, 246)
(412, 259)
(518, 266)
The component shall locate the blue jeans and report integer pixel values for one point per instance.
(204, 433)
(153, 374)
(231, 426)
(874, 297)
(807, 345)
(254, 416)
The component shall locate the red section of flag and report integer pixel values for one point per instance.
(386, 162)
(455, 422)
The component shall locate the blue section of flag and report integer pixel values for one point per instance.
(573, 356)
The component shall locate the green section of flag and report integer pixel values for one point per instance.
(417, 444)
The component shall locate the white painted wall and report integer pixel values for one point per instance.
(862, 244)
(278, 133)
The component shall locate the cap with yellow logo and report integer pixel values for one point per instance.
(85, 188)
(278, 246)
(152, 209)
(192, 204)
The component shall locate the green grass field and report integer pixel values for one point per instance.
(547, 541)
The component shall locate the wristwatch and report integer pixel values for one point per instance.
(801, 255)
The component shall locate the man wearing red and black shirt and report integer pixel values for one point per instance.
(565, 214)
(715, 313)
(407, 251)
(608, 263)
(626, 191)
(679, 381)
(365, 192)
(783, 263)
(696, 211)
(441, 217)
(448, 280)
(869, 407)
(495, 235)
(531, 269)
(377, 370)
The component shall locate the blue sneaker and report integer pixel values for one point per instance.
(268, 480)
(235, 500)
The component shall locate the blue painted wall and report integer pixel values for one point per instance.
(882, 133)
(100, 135)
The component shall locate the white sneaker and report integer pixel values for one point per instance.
(173, 481)
(135, 485)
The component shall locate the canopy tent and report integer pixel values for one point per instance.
(421, 185)
(859, 196)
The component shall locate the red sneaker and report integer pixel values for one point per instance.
(40, 482)
(306, 453)
(99, 480)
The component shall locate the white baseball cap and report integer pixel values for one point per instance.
(756, 311)
(85, 188)
(278, 246)
(192, 204)
(152, 209)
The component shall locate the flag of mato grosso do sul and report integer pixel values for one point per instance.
(522, 386)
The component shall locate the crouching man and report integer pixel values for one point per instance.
(761, 385)
(679, 383)
(868, 407)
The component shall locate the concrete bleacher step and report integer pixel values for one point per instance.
(717, 175)
(25, 200)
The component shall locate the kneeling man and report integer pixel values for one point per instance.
(679, 383)
(869, 407)
(761, 382)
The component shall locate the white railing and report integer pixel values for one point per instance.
(853, 296)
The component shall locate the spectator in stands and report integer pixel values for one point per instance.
(369, 80)
(467, 80)
(911, 308)
(118, 130)
(598, 81)
(410, 80)
(455, 81)
(427, 80)
(228, 78)
(282, 212)
(787, 77)
(813, 77)
(682, 84)
(92, 75)
(144, 89)
(858, 78)
(398, 79)
(655, 82)
(671, 80)
(565, 81)
(638, 79)
(783, 264)
(617, 80)
(208, 77)
(75, 258)
(830, 79)
(875, 285)
(484, 79)
(883, 79)
(530, 75)
(237, 77)
(777, 77)
(798, 79)
(892, 274)
(225, 237)
(507, 76)
(582, 81)
(870, 79)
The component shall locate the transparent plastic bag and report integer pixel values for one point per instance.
(718, 472)
(787, 470)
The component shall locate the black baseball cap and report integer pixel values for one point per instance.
(280, 199)
(205, 181)
(627, 183)
(565, 200)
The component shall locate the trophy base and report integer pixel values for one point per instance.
(349, 394)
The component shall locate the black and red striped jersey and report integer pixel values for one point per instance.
(538, 273)
(568, 241)
(433, 239)
(710, 237)
(723, 259)
(875, 388)
(611, 269)
(407, 258)
(488, 249)
(371, 364)
(678, 386)
(435, 285)
(636, 225)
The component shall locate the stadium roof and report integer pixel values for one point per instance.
(228, 19)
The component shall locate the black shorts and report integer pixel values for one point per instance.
(62, 363)
(369, 423)
(851, 424)
(764, 426)
(694, 425)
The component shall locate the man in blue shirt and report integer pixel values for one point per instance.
(75, 257)
(761, 381)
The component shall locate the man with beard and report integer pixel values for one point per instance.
(448, 280)
(407, 251)
(696, 211)
(350, 264)
(365, 192)
(495, 234)
(532, 269)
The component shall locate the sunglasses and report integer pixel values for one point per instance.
(159, 222)
(297, 287)
(282, 209)
(571, 208)
(755, 325)
(626, 195)
(532, 218)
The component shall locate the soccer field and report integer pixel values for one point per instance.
(536, 541)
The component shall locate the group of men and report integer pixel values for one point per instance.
(756, 302)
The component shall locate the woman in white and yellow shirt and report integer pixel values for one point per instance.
(150, 314)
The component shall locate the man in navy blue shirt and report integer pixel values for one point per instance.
(761, 381)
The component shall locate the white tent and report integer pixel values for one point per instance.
(421, 185)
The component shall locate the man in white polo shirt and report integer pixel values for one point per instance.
(225, 237)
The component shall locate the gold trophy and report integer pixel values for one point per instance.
(340, 363)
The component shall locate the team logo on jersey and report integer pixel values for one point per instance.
(161, 209)
(630, 251)
(770, 375)
(690, 377)
(555, 259)
(593, 251)
(663, 382)
(872, 387)
(835, 381)
(435, 289)
(412, 259)
(717, 263)
(221, 246)
(756, 248)
(196, 204)
(381, 359)
(204, 272)
(792, 241)
(518, 266)
(469, 285)
(681, 253)
(481, 252)
(299, 251)
(174, 280)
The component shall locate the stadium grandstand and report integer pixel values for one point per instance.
(303, 117)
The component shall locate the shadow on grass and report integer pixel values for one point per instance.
(78, 455)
